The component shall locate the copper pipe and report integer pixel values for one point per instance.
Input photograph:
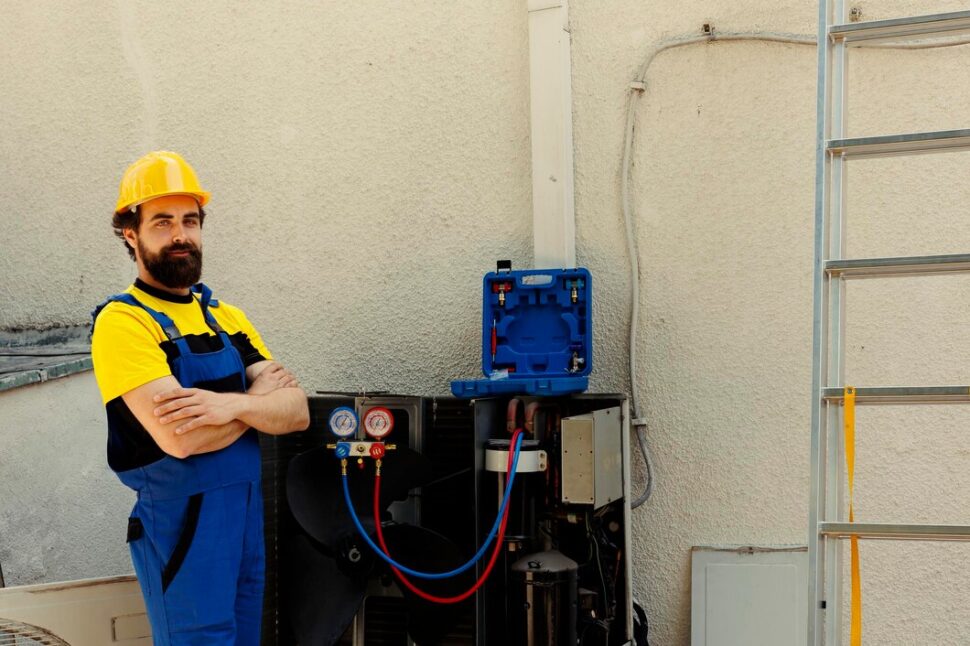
(512, 415)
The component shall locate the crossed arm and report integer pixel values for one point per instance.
(188, 421)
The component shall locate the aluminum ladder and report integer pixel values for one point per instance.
(827, 525)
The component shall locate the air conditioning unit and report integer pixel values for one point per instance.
(564, 567)
(90, 612)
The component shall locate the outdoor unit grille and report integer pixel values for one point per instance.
(445, 432)
(15, 633)
(385, 619)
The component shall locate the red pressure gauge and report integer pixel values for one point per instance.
(378, 422)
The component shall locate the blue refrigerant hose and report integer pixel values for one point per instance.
(438, 575)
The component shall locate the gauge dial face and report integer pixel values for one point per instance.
(343, 422)
(378, 422)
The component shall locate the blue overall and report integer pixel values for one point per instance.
(196, 531)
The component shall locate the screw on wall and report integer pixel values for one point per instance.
(855, 14)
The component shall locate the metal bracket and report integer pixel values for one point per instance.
(529, 461)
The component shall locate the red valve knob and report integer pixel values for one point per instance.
(377, 451)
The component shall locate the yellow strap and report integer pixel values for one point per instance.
(848, 418)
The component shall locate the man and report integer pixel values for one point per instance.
(185, 380)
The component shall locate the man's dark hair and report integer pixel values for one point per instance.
(130, 219)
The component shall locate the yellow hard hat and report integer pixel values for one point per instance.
(156, 174)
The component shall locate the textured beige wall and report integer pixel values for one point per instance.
(363, 157)
(62, 511)
(376, 155)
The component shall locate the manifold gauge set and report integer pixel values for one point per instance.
(378, 424)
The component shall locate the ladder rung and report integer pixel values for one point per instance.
(902, 394)
(896, 531)
(875, 267)
(941, 24)
(901, 144)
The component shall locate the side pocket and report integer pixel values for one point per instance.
(184, 542)
(135, 529)
(136, 547)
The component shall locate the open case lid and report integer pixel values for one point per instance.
(537, 333)
(537, 323)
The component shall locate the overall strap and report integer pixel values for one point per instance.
(167, 324)
(206, 300)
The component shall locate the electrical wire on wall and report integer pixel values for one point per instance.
(637, 88)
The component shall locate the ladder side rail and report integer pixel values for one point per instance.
(835, 463)
(820, 332)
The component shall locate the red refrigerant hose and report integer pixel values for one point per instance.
(488, 568)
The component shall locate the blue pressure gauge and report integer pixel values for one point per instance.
(343, 422)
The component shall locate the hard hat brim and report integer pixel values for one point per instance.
(202, 197)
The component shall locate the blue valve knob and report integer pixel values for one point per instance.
(343, 450)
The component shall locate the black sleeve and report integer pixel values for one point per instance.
(247, 350)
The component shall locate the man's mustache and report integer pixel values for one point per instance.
(186, 246)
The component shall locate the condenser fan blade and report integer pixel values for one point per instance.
(403, 469)
(322, 597)
(315, 493)
(428, 551)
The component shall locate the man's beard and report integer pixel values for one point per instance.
(174, 273)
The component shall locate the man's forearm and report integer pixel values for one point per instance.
(212, 438)
(281, 411)
(279, 414)
(278, 411)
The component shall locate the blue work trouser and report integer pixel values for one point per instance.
(216, 596)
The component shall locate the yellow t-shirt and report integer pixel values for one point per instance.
(129, 349)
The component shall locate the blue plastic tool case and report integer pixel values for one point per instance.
(542, 325)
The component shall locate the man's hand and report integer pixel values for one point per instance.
(271, 377)
(214, 409)
(141, 401)
(201, 407)
(275, 404)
